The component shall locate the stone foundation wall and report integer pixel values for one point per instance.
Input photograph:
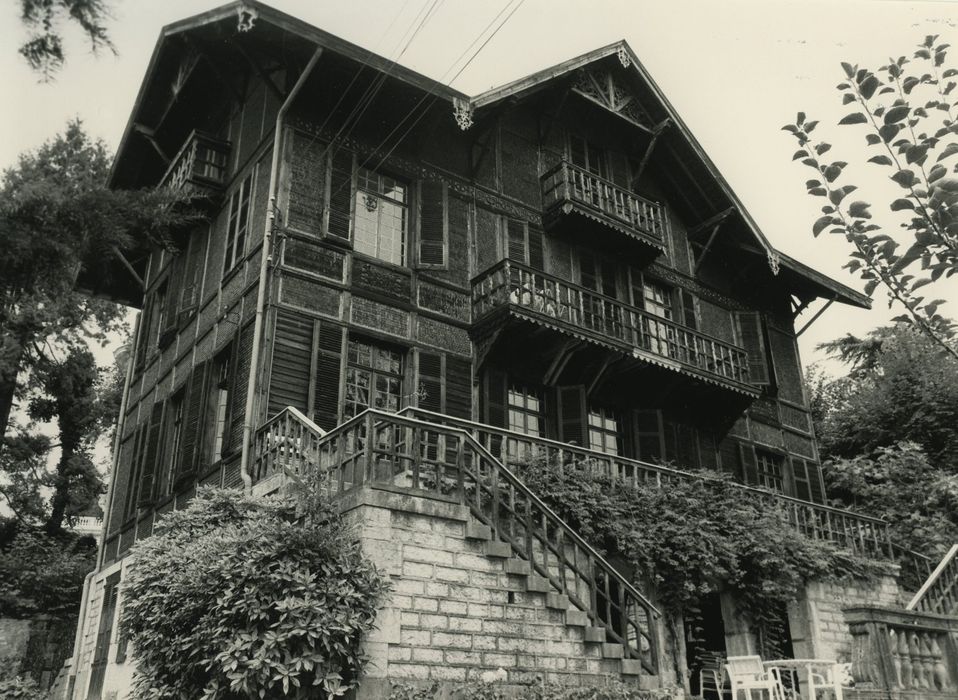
(36, 647)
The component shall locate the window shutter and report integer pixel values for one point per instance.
(708, 449)
(577, 148)
(753, 340)
(174, 288)
(749, 464)
(572, 414)
(731, 458)
(686, 455)
(458, 387)
(241, 370)
(329, 349)
(291, 362)
(648, 434)
(189, 293)
(536, 256)
(193, 417)
(340, 195)
(151, 456)
(430, 381)
(808, 480)
(494, 395)
(688, 309)
(516, 240)
(432, 224)
(136, 471)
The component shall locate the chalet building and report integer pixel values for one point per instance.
(414, 287)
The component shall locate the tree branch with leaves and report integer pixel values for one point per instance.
(907, 107)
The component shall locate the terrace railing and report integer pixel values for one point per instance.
(609, 321)
(569, 184)
(404, 454)
(858, 533)
(939, 594)
(202, 162)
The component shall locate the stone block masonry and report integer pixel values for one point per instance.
(457, 612)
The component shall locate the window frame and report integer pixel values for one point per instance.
(771, 479)
(604, 416)
(523, 409)
(406, 205)
(375, 373)
(238, 223)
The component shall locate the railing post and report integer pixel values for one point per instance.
(369, 451)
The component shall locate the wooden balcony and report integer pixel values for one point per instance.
(517, 290)
(583, 203)
(201, 165)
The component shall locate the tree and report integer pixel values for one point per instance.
(241, 596)
(44, 20)
(56, 213)
(909, 113)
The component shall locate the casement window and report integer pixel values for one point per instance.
(382, 216)
(657, 299)
(597, 273)
(600, 275)
(173, 423)
(588, 156)
(137, 462)
(101, 650)
(604, 435)
(522, 244)
(218, 405)
(769, 470)
(524, 410)
(237, 227)
(374, 378)
(751, 333)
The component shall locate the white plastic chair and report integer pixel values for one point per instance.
(746, 673)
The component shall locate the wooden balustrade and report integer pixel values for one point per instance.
(609, 321)
(201, 163)
(899, 650)
(399, 453)
(939, 594)
(568, 184)
(858, 533)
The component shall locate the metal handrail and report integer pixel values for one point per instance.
(396, 452)
(629, 328)
(939, 593)
(826, 522)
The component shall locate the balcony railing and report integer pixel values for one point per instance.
(201, 163)
(609, 321)
(398, 453)
(858, 533)
(939, 594)
(569, 185)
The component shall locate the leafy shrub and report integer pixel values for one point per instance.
(689, 538)
(612, 689)
(17, 688)
(239, 596)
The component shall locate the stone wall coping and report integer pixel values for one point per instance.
(900, 618)
(403, 502)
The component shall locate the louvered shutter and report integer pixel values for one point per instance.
(430, 381)
(808, 480)
(516, 240)
(151, 457)
(458, 387)
(577, 149)
(189, 292)
(291, 363)
(494, 398)
(536, 256)
(688, 309)
(753, 340)
(191, 446)
(432, 224)
(749, 463)
(329, 348)
(572, 415)
(731, 458)
(237, 399)
(648, 434)
(136, 470)
(340, 195)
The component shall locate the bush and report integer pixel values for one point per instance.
(535, 690)
(17, 688)
(238, 596)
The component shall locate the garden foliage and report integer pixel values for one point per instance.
(239, 596)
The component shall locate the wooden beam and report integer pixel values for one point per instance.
(799, 308)
(598, 375)
(705, 250)
(559, 361)
(711, 221)
(261, 72)
(656, 132)
(150, 135)
(815, 317)
(129, 268)
(554, 117)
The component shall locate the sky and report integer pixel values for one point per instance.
(735, 70)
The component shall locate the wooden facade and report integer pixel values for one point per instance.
(569, 266)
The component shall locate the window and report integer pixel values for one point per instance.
(104, 634)
(172, 442)
(382, 216)
(218, 402)
(769, 466)
(604, 431)
(238, 225)
(603, 315)
(588, 156)
(522, 244)
(373, 378)
(525, 414)
(657, 299)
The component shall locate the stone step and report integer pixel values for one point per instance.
(497, 549)
(517, 566)
(595, 634)
(632, 667)
(577, 618)
(538, 584)
(478, 531)
(559, 601)
(611, 650)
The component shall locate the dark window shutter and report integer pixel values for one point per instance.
(291, 363)
(708, 449)
(193, 417)
(577, 149)
(143, 332)
(494, 398)
(189, 293)
(688, 309)
(432, 224)
(648, 435)
(340, 194)
(536, 256)
(151, 456)
(808, 480)
(136, 469)
(241, 370)
(174, 288)
(753, 340)
(731, 458)
(458, 387)
(328, 360)
(572, 414)
(430, 381)
(749, 464)
(516, 240)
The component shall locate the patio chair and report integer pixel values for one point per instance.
(746, 673)
(712, 680)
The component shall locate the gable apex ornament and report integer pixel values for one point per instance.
(606, 90)
(246, 17)
(774, 260)
(462, 111)
(624, 57)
